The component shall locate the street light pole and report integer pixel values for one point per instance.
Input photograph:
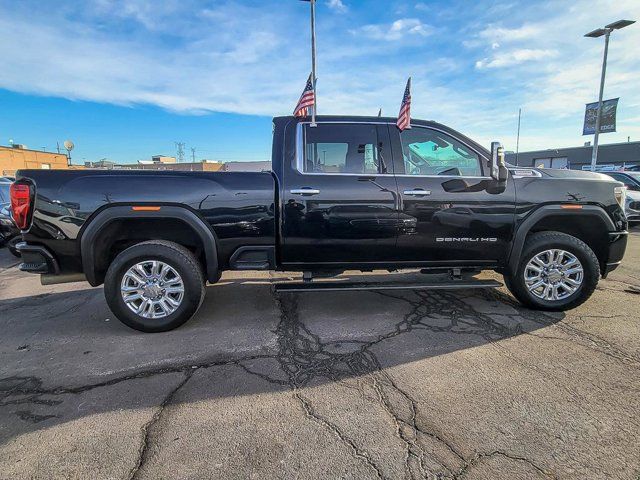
(594, 153)
(606, 31)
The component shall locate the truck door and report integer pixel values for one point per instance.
(339, 197)
(444, 185)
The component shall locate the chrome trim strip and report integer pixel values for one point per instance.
(534, 173)
(417, 192)
(304, 191)
(442, 176)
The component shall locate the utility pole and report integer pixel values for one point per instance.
(180, 151)
(193, 154)
(606, 31)
(518, 137)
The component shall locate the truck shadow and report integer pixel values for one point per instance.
(62, 347)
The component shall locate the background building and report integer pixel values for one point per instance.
(613, 155)
(202, 166)
(163, 159)
(16, 157)
(159, 162)
(103, 164)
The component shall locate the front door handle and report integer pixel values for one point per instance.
(305, 191)
(417, 192)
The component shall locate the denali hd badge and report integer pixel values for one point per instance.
(466, 239)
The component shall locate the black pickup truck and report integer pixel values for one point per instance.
(350, 193)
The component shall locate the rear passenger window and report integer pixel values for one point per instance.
(341, 148)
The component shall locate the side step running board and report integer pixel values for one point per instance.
(336, 286)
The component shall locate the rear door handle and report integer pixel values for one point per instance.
(305, 191)
(417, 192)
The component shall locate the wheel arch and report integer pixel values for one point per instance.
(91, 248)
(589, 223)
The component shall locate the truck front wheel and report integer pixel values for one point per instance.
(556, 272)
(154, 286)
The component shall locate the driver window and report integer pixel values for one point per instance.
(429, 152)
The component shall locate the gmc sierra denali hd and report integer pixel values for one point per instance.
(352, 193)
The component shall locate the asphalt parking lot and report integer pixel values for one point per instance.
(333, 385)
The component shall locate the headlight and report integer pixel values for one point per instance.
(621, 196)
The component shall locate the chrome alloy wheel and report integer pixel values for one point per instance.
(553, 274)
(152, 289)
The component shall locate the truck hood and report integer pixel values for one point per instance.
(574, 174)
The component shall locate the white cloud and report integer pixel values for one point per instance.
(210, 69)
(525, 32)
(398, 30)
(515, 57)
(337, 5)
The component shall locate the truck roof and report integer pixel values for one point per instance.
(375, 119)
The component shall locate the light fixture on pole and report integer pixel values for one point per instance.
(68, 145)
(606, 31)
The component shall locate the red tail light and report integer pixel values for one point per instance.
(20, 204)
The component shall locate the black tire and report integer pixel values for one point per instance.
(541, 241)
(172, 254)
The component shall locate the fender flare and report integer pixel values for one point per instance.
(551, 210)
(110, 214)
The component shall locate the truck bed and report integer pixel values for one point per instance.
(237, 206)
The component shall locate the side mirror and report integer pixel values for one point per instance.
(499, 170)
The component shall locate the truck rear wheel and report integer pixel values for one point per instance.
(556, 272)
(154, 286)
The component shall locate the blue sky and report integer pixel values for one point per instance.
(125, 79)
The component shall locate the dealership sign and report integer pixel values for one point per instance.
(607, 119)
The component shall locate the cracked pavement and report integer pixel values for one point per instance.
(400, 384)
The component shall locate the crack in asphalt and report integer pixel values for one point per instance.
(408, 430)
(31, 390)
(303, 358)
(147, 427)
(592, 341)
(357, 452)
(481, 456)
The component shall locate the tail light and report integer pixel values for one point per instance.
(20, 204)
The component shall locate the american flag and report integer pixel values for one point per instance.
(307, 100)
(404, 117)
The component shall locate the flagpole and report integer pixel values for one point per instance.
(313, 62)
